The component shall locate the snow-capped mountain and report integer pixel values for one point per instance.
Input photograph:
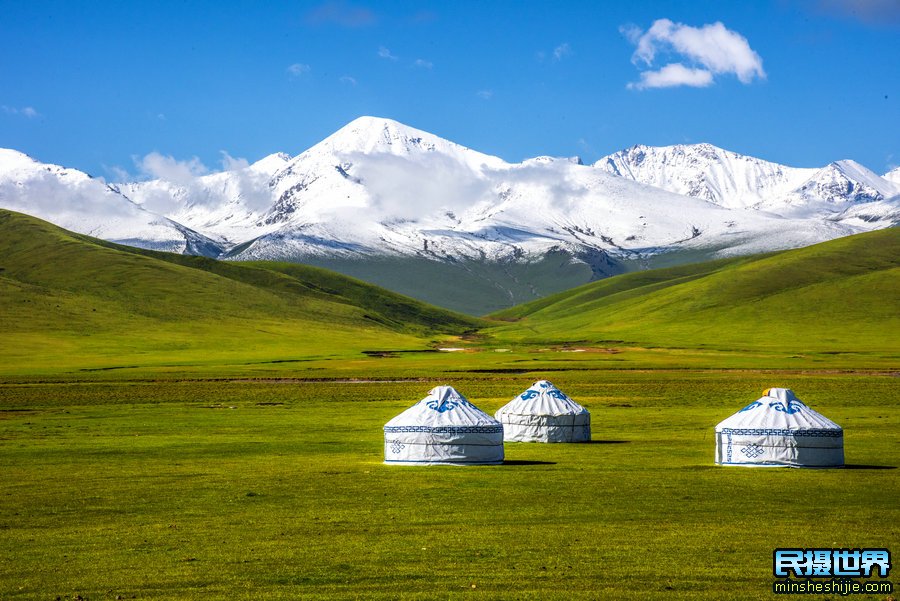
(73, 200)
(379, 190)
(732, 180)
(893, 176)
(704, 171)
(839, 184)
(223, 205)
(378, 187)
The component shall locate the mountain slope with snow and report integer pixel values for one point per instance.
(377, 187)
(223, 205)
(893, 176)
(397, 205)
(704, 171)
(75, 201)
(736, 181)
(838, 185)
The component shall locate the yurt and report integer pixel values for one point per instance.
(443, 428)
(544, 413)
(779, 430)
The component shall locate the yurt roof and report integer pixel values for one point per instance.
(542, 398)
(777, 409)
(443, 407)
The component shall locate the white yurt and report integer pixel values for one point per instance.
(544, 413)
(779, 430)
(443, 427)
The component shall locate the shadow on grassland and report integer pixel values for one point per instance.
(854, 466)
(526, 462)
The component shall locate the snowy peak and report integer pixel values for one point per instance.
(377, 135)
(844, 182)
(16, 165)
(893, 176)
(733, 180)
(705, 171)
(375, 169)
(13, 159)
(271, 164)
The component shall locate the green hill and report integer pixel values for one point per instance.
(73, 302)
(68, 299)
(839, 296)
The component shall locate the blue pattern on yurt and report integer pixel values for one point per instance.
(752, 405)
(752, 451)
(728, 448)
(442, 406)
(792, 407)
(498, 429)
(729, 432)
(783, 432)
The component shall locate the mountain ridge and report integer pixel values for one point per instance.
(378, 189)
(734, 180)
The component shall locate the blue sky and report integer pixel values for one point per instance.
(99, 85)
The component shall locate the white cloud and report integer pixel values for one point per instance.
(229, 163)
(586, 146)
(423, 63)
(562, 51)
(243, 182)
(385, 53)
(348, 80)
(298, 69)
(251, 186)
(671, 76)
(27, 112)
(709, 50)
(415, 186)
(119, 175)
(557, 54)
(68, 201)
(485, 94)
(631, 32)
(166, 167)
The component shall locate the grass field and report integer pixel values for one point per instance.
(176, 428)
(180, 489)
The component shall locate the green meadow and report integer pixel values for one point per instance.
(840, 297)
(176, 428)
